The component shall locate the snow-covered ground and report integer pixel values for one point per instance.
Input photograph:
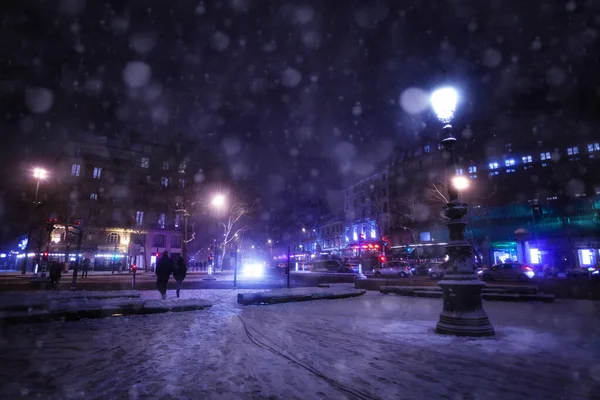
(373, 346)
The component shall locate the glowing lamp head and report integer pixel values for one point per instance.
(444, 102)
(39, 173)
(460, 182)
(218, 200)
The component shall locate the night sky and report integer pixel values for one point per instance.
(300, 97)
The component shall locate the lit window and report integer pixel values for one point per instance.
(112, 238)
(459, 171)
(509, 163)
(426, 148)
(177, 220)
(139, 218)
(165, 166)
(472, 169)
(145, 162)
(527, 159)
(94, 196)
(75, 170)
(162, 218)
(493, 165)
(592, 147)
(182, 167)
(182, 183)
(552, 198)
(545, 156)
(97, 172)
(572, 151)
(164, 182)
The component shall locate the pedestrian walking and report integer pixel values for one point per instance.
(164, 268)
(179, 273)
(55, 274)
(85, 268)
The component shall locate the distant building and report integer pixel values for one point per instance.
(530, 200)
(128, 195)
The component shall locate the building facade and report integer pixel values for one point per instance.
(126, 195)
(530, 199)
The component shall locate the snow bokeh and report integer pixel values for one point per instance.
(39, 99)
(291, 77)
(414, 100)
(136, 74)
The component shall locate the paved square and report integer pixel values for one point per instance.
(369, 347)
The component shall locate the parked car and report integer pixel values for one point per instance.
(437, 270)
(577, 273)
(508, 271)
(394, 268)
(420, 270)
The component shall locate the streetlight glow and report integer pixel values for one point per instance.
(460, 182)
(39, 173)
(444, 102)
(218, 200)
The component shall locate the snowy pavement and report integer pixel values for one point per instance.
(368, 347)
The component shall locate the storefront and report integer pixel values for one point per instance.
(504, 251)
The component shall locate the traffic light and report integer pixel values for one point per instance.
(382, 259)
(210, 259)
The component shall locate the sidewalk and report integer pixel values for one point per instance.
(16, 307)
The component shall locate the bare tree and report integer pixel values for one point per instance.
(234, 225)
(436, 194)
(184, 203)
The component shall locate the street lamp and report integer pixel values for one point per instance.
(463, 313)
(217, 202)
(460, 183)
(39, 174)
(270, 243)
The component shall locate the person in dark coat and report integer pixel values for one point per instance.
(55, 274)
(86, 267)
(164, 268)
(179, 273)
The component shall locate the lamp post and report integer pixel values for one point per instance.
(270, 242)
(463, 313)
(217, 203)
(39, 174)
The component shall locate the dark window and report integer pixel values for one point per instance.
(176, 242)
(159, 241)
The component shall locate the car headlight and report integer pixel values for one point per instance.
(253, 270)
(479, 272)
(596, 273)
(530, 274)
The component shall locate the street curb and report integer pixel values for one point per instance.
(276, 297)
(62, 310)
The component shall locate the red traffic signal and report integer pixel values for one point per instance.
(134, 267)
(382, 258)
